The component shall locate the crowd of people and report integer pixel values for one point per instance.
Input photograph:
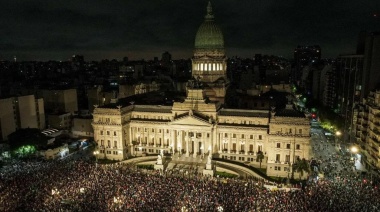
(80, 185)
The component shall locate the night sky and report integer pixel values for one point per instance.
(101, 29)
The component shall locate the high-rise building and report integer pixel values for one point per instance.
(358, 75)
(303, 55)
(21, 112)
(60, 100)
(368, 131)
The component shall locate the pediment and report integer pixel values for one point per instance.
(191, 121)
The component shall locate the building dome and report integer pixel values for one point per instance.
(209, 35)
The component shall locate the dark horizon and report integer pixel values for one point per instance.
(144, 29)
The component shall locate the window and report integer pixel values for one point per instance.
(108, 132)
(109, 143)
(115, 152)
(115, 144)
(300, 131)
(159, 130)
(242, 136)
(278, 145)
(108, 120)
(225, 135)
(101, 142)
(298, 146)
(101, 132)
(114, 133)
(251, 137)
(260, 137)
(233, 135)
(152, 130)
(290, 130)
(287, 158)
(208, 135)
(108, 152)
(277, 168)
(288, 146)
(277, 158)
(146, 130)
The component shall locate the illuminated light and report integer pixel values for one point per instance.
(354, 149)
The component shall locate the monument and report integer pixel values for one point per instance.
(208, 170)
(159, 165)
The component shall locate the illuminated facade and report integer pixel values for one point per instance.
(199, 125)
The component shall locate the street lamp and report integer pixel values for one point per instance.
(96, 152)
(353, 150)
(337, 135)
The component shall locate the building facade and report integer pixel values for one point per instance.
(199, 125)
(21, 112)
(368, 131)
(64, 100)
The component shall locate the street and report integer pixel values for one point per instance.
(327, 160)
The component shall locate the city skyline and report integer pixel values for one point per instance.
(39, 30)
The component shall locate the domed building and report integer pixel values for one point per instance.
(197, 127)
(209, 62)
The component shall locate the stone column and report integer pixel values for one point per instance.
(187, 138)
(221, 145)
(163, 138)
(155, 138)
(179, 141)
(195, 149)
(230, 143)
(173, 141)
(130, 140)
(246, 145)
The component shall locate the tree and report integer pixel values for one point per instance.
(260, 157)
(301, 166)
(26, 141)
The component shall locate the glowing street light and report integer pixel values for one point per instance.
(96, 152)
(354, 149)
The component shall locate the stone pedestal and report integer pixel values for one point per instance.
(208, 172)
(159, 164)
(158, 167)
(208, 166)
